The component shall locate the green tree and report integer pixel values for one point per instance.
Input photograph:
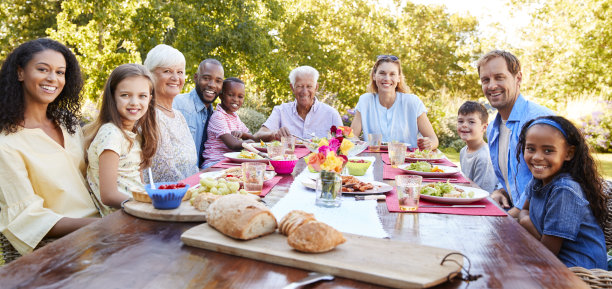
(107, 33)
(24, 20)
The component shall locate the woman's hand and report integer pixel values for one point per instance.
(424, 143)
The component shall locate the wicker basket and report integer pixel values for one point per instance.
(597, 278)
(9, 253)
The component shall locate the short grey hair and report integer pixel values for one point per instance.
(163, 55)
(303, 70)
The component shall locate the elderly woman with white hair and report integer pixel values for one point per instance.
(304, 117)
(176, 157)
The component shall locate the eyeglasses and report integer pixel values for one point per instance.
(390, 57)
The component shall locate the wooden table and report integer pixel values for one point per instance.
(122, 251)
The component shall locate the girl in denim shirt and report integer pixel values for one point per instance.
(566, 203)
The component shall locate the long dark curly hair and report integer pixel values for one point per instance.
(581, 167)
(64, 110)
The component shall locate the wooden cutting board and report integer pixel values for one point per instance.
(184, 213)
(378, 261)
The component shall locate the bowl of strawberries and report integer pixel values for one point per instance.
(167, 196)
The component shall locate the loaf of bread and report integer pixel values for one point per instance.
(240, 217)
(315, 237)
(203, 201)
(293, 220)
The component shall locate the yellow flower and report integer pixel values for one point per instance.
(323, 142)
(332, 163)
(346, 146)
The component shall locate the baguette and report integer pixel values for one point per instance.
(293, 220)
(240, 217)
(315, 237)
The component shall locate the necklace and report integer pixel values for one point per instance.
(163, 107)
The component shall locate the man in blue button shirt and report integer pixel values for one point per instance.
(500, 77)
(196, 105)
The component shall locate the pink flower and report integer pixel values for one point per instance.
(324, 149)
(334, 144)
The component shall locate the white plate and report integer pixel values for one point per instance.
(379, 187)
(233, 156)
(268, 175)
(479, 194)
(448, 171)
(425, 159)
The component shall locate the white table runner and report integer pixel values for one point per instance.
(355, 217)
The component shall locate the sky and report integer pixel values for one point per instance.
(487, 12)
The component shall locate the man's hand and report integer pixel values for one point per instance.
(501, 197)
(281, 132)
(424, 143)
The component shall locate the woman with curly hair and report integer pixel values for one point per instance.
(43, 192)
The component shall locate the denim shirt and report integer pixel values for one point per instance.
(561, 209)
(518, 172)
(196, 114)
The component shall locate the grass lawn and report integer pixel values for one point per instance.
(605, 160)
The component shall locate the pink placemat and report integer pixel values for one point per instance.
(441, 162)
(301, 152)
(192, 180)
(227, 163)
(489, 210)
(267, 186)
(389, 173)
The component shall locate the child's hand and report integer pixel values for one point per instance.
(237, 134)
(424, 143)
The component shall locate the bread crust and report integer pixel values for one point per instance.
(293, 220)
(203, 201)
(315, 237)
(240, 217)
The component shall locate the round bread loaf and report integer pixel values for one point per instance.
(315, 237)
(240, 217)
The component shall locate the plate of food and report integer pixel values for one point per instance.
(245, 156)
(235, 174)
(428, 170)
(352, 185)
(424, 155)
(263, 146)
(452, 194)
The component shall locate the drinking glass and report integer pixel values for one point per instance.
(253, 176)
(408, 188)
(288, 143)
(397, 153)
(276, 150)
(374, 140)
(329, 190)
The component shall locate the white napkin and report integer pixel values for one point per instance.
(355, 217)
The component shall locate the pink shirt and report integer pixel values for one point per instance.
(220, 123)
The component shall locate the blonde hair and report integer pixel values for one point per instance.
(401, 85)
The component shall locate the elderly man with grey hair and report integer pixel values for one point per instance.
(304, 117)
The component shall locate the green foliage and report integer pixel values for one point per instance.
(597, 128)
(24, 20)
(251, 118)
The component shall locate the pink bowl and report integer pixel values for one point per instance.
(283, 167)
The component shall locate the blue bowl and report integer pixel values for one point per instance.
(166, 199)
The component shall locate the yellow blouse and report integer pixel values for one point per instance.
(40, 183)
